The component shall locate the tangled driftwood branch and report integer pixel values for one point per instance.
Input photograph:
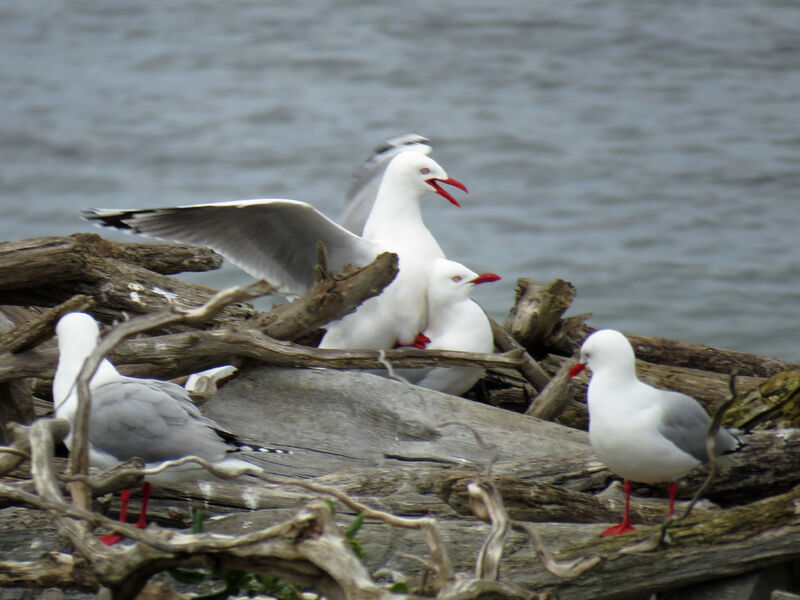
(541, 510)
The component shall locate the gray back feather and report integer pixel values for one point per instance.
(685, 424)
(152, 420)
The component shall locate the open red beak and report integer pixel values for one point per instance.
(485, 278)
(576, 368)
(434, 183)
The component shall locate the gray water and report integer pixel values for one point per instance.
(645, 151)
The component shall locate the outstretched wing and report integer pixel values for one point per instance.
(272, 239)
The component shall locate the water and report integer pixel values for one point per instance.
(645, 151)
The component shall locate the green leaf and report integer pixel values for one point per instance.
(401, 587)
(357, 549)
(197, 520)
(352, 530)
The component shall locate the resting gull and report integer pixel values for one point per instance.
(154, 420)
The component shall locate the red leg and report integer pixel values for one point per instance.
(625, 526)
(673, 488)
(112, 538)
(142, 523)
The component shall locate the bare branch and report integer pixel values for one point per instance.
(560, 569)
(554, 398)
(488, 506)
(529, 368)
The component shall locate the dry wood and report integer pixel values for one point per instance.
(28, 334)
(529, 368)
(406, 464)
(54, 569)
(701, 542)
(772, 404)
(331, 298)
(697, 356)
(535, 321)
(41, 261)
(553, 399)
(728, 543)
(116, 277)
(177, 354)
(16, 405)
(16, 448)
(166, 258)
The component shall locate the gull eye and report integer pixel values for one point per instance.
(424, 170)
(457, 278)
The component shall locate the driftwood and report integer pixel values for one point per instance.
(493, 503)
(120, 279)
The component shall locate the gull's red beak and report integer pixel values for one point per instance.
(576, 368)
(434, 183)
(485, 278)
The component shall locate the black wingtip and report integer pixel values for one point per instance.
(115, 220)
(408, 139)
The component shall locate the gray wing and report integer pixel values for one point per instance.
(362, 191)
(144, 419)
(685, 424)
(181, 395)
(268, 239)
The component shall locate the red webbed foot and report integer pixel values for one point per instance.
(110, 539)
(421, 341)
(623, 527)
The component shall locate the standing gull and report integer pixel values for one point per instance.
(148, 418)
(641, 433)
(276, 240)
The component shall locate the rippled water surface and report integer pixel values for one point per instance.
(648, 152)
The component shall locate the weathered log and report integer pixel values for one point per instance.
(406, 489)
(54, 569)
(16, 405)
(16, 450)
(105, 272)
(331, 298)
(704, 547)
(165, 258)
(772, 404)
(42, 261)
(529, 368)
(178, 354)
(390, 446)
(554, 398)
(31, 333)
(125, 287)
(677, 353)
(535, 320)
